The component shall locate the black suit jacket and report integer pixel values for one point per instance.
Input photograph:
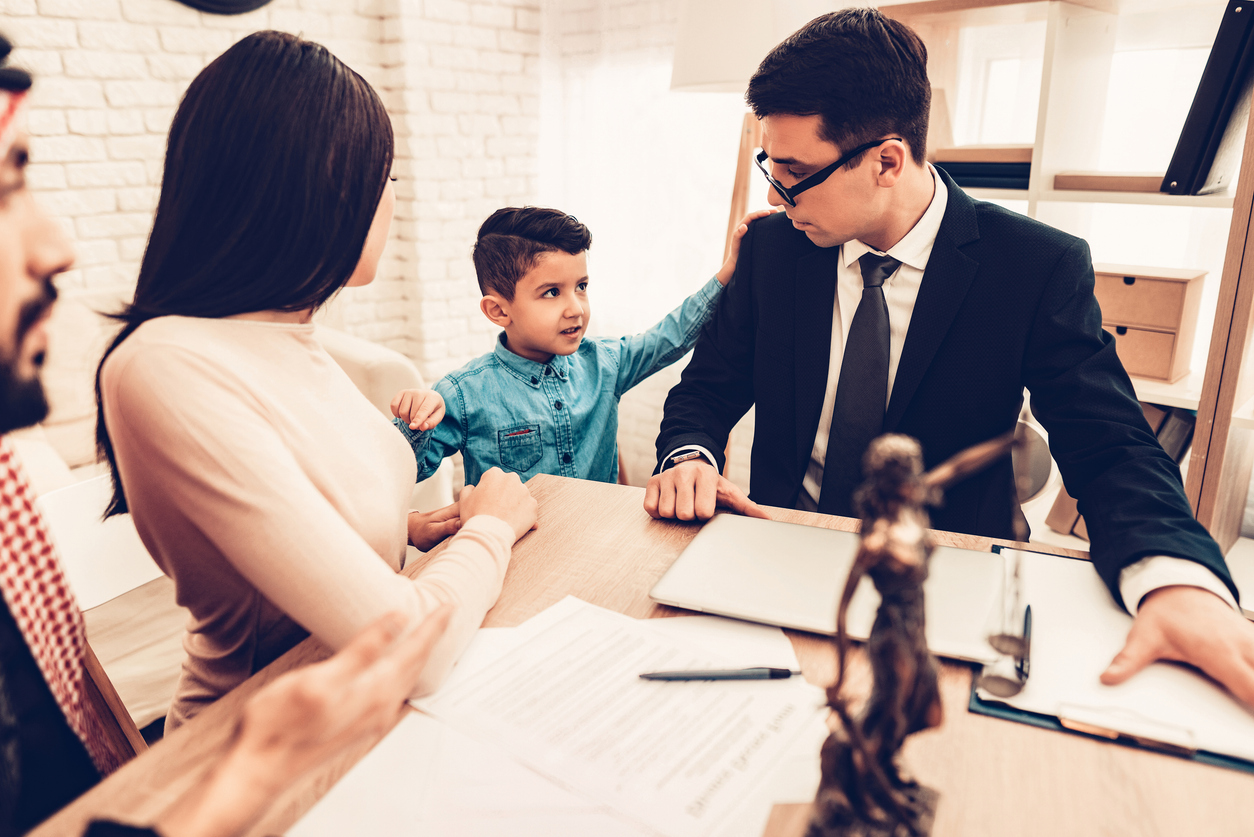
(1006, 302)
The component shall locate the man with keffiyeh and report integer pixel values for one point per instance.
(52, 746)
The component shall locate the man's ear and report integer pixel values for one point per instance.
(495, 309)
(891, 161)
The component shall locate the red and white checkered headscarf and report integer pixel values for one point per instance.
(12, 113)
(39, 597)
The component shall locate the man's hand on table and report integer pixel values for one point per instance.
(1189, 625)
(693, 490)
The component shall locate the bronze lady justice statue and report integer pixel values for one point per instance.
(862, 791)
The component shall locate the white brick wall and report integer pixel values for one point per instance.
(462, 82)
(460, 79)
(464, 97)
(649, 171)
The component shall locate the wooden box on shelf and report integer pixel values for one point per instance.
(1152, 312)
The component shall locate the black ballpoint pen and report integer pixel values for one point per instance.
(1024, 663)
(758, 673)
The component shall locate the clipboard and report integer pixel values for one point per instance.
(998, 709)
(1078, 629)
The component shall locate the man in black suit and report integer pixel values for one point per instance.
(883, 299)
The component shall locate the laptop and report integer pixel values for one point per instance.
(792, 576)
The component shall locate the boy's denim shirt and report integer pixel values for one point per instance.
(555, 418)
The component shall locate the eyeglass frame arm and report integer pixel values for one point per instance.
(790, 194)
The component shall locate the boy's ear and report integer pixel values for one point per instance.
(494, 308)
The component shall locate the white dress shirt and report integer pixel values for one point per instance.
(901, 290)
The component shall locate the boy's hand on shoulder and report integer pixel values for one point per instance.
(725, 272)
(422, 408)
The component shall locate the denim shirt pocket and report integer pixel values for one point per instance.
(520, 447)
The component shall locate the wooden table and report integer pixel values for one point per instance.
(594, 541)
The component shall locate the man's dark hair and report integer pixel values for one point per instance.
(277, 158)
(513, 239)
(863, 73)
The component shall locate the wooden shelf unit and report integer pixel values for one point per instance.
(1185, 393)
(1079, 48)
(1221, 201)
(1243, 416)
(1104, 181)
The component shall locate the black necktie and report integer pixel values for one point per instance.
(861, 393)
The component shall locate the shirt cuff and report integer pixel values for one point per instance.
(709, 457)
(414, 437)
(1138, 580)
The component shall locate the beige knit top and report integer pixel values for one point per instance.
(275, 496)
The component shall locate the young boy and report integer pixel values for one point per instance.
(544, 401)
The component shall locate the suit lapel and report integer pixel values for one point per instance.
(815, 301)
(945, 284)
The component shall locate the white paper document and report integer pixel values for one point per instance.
(674, 757)
(1076, 630)
(427, 778)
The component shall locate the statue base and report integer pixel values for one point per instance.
(908, 810)
(922, 803)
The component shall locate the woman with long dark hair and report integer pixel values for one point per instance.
(264, 484)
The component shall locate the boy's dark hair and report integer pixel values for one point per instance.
(863, 73)
(512, 240)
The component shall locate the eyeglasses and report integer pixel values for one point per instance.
(790, 195)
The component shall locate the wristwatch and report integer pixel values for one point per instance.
(672, 461)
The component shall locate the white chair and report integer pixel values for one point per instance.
(380, 373)
(133, 623)
(106, 566)
(102, 558)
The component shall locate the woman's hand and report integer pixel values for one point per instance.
(500, 495)
(426, 529)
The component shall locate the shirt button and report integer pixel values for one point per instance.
(548, 371)
(557, 405)
(534, 379)
(566, 458)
